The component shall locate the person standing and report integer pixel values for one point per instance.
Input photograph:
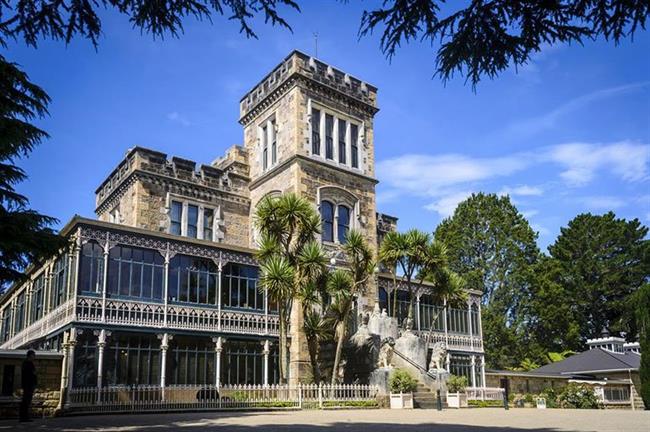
(29, 383)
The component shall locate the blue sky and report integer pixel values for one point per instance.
(566, 134)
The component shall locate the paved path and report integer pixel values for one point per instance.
(478, 420)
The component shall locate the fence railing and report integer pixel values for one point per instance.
(484, 393)
(210, 397)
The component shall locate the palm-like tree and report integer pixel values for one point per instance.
(290, 257)
(345, 284)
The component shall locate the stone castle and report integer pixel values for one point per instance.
(168, 272)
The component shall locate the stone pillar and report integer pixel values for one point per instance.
(72, 342)
(473, 358)
(64, 372)
(483, 382)
(102, 335)
(299, 363)
(266, 351)
(164, 345)
(218, 348)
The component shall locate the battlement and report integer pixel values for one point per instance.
(299, 64)
(230, 175)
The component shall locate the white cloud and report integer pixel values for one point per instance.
(522, 190)
(177, 118)
(433, 175)
(529, 213)
(548, 120)
(542, 230)
(602, 202)
(626, 160)
(446, 205)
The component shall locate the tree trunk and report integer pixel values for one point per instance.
(394, 296)
(340, 331)
(283, 348)
(312, 343)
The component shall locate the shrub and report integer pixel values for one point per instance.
(456, 384)
(578, 396)
(401, 381)
(551, 397)
(485, 403)
(529, 398)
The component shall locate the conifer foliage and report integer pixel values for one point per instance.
(25, 235)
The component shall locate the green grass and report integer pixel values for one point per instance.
(485, 404)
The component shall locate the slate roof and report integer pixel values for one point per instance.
(592, 360)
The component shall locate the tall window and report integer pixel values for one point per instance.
(208, 221)
(132, 360)
(327, 218)
(354, 146)
(59, 279)
(476, 330)
(176, 218)
(315, 131)
(91, 276)
(342, 146)
(274, 144)
(239, 287)
(457, 321)
(135, 272)
(265, 148)
(431, 314)
(37, 297)
(343, 223)
(85, 361)
(243, 363)
(20, 312)
(329, 139)
(191, 361)
(192, 220)
(6, 323)
(192, 280)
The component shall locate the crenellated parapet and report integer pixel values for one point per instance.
(300, 67)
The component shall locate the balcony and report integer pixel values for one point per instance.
(454, 342)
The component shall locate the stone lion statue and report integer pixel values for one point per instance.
(385, 357)
(438, 355)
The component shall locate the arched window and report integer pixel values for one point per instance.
(343, 223)
(327, 218)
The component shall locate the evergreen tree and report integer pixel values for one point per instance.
(601, 261)
(492, 246)
(640, 302)
(25, 235)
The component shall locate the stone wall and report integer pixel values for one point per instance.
(46, 397)
(525, 384)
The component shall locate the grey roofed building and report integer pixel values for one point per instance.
(595, 360)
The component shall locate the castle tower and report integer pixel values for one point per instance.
(308, 129)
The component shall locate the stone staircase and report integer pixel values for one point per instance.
(424, 398)
(636, 397)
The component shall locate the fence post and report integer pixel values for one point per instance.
(320, 395)
(300, 395)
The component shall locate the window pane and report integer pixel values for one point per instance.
(354, 137)
(192, 219)
(265, 147)
(343, 223)
(342, 147)
(208, 221)
(176, 215)
(315, 131)
(329, 139)
(327, 217)
(274, 150)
